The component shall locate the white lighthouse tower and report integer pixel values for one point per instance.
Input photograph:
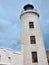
(31, 37)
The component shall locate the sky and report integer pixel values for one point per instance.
(10, 24)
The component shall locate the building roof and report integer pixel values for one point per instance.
(8, 50)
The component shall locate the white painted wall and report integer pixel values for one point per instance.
(26, 17)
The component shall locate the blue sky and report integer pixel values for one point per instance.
(10, 25)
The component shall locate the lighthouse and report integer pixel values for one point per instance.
(31, 37)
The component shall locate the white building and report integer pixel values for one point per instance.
(32, 47)
(7, 57)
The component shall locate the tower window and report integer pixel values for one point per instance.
(34, 57)
(31, 25)
(32, 39)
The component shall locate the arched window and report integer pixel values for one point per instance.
(0, 57)
(9, 59)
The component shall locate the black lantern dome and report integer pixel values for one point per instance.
(28, 7)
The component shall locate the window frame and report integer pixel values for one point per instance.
(32, 39)
(31, 24)
(34, 58)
